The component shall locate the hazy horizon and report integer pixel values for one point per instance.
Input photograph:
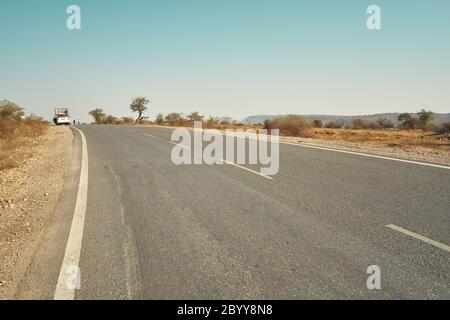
(231, 58)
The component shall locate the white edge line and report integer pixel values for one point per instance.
(230, 163)
(353, 153)
(368, 155)
(419, 237)
(73, 248)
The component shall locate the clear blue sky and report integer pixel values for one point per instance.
(226, 58)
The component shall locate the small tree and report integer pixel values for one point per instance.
(445, 128)
(425, 118)
(358, 124)
(407, 121)
(227, 121)
(174, 119)
(381, 123)
(10, 110)
(317, 123)
(98, 115)
(195, 116)
(160, 119)
(333, 125)
(111, 120)
(139, 105)
(267, 125)
(212, 122)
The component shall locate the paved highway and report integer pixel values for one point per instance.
(154, 230)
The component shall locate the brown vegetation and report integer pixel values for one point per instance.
(411, 131)
(290, 126)
(15, 132)
(403, 139)
(416, 134)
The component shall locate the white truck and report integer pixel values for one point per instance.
(62, 117)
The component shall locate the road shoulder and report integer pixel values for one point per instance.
(30, 194)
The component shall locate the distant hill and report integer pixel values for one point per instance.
(344, 120)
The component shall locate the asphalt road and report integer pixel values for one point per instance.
(154, 230)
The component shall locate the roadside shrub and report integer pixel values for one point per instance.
(12, 132)
(290, 126)
(445, 128)
(358, 124)
(160, 119)
(317, 123)
(10, 110)
(175, 119)
(33, 126)
(212, 123)
(126, 120)
(8, 129)
(109, 119)
(98, 115)
(408, 122)
(333, 125)
(145, 122)
(424, 118)
(383, 123)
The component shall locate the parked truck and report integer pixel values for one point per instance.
(62, 117)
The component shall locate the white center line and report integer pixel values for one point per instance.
(68, 275)
(148, 135)
(180, 145)
(247, 169)
(230, 163)
(419, 237)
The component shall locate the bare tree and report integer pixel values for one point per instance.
(139, 105)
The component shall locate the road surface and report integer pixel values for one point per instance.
(154, 230)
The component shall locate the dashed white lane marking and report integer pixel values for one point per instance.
(419, 237)
(180, 145)
(148, 135)
(247, 169)
(65, 288)
(230, 163)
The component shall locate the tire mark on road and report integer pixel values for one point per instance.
(133, 279)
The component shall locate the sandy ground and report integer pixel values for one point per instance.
(28, 196)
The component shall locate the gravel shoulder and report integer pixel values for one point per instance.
(28, 197)
(415, 154)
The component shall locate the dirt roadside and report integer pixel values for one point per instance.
(28, 196)
(380, 143)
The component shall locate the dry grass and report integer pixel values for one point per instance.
(379, 133)
(14, 135)
(389, 138)
(291, 126)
